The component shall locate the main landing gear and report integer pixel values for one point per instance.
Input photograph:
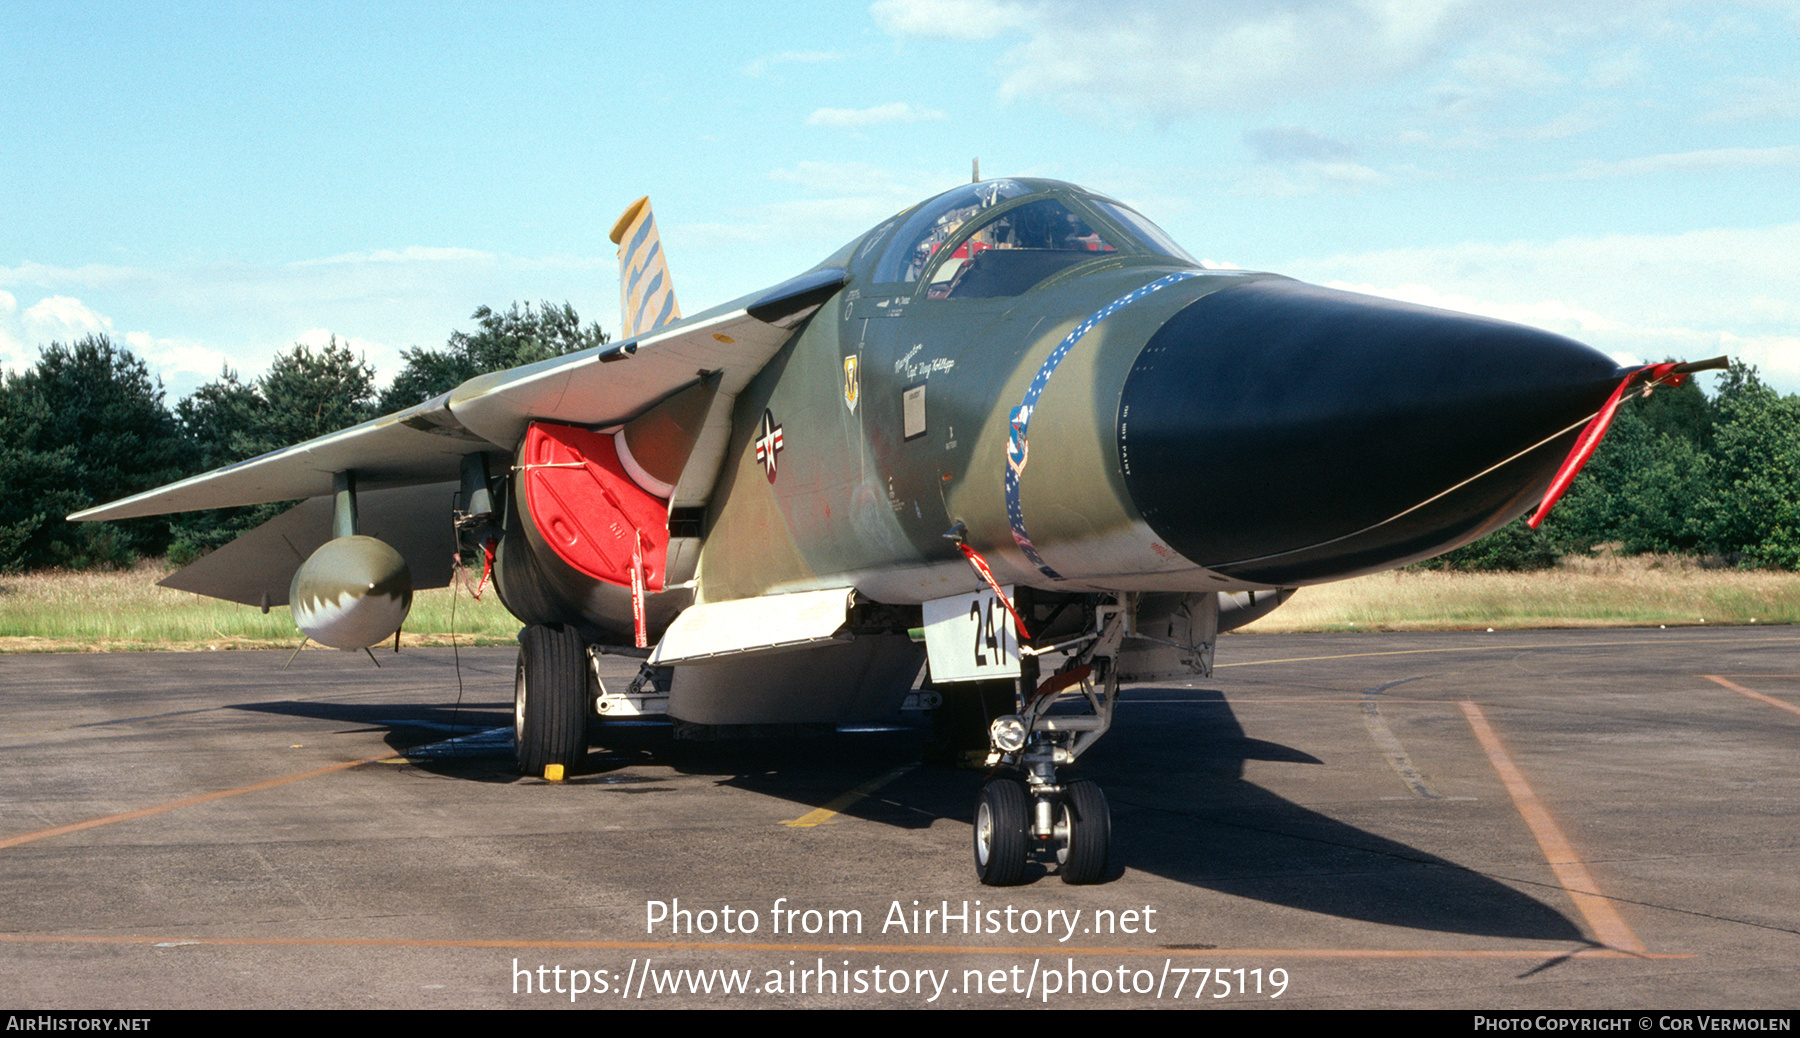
(550, 698)
(1032, 812)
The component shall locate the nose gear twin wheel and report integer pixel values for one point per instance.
(1001, 833)
(1086, 823)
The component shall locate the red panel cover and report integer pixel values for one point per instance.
(588, 509)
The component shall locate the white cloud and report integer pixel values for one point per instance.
(961, 20)
(1506, 71)
(1646, 296)
(1687, 162)
(1573, 321)
(1306, 179)
(57, 318)
(843, 199)
(189, 322)
(1761, 98)
(1468, 70)
(410, 254)
(1616, 70)
(88, 277)
(1296, 144)
(1161, 59)
(12, 346)
(856, 118)
(840, 177)
(61, 318)
(1298, 161)
(183, 365)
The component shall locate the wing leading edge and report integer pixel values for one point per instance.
(607, 385)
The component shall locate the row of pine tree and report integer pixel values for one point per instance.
(89, 424)
(1680, 472)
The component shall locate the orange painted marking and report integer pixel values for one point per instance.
(1500, 648)
(145, 812)
(905, 949)
(1608, 926)
(1741, 690)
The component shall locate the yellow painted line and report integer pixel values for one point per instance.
(1771, 700)
(1243, 697)
(1499, 648)
(145, 812)
(1608, 926)
(837, 806)
(903, 949)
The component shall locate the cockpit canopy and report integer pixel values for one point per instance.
(998, 238)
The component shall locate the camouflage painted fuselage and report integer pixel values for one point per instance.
(1042, 366)
(1276, 434)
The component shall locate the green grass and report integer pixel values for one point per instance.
(97, 612)
(1602, 592)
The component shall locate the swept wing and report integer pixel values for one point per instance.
(606, 385)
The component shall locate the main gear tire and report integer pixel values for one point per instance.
(550, 705)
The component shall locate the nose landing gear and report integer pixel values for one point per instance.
(1033, 813)
(1085, 831)
(1002, 833)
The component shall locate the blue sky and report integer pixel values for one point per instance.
(211, 183)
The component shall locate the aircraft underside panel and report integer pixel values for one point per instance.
(1175, 636)
(783, 659)
(753, 626)
(857, 679)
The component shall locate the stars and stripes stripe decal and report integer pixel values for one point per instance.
(1018, 435)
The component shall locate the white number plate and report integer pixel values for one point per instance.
(971, 637)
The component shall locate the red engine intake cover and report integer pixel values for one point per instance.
(589, 510)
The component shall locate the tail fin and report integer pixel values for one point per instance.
(646, 297)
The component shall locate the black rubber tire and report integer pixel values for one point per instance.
(1002, 823)
(550, 705)
(1089, 821)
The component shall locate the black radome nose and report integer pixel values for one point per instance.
(1286, 433)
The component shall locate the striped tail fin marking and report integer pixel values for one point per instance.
(646, 296)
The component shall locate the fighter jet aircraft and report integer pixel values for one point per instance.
(1014, 436)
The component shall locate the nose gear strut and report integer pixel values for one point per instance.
(1033, 812)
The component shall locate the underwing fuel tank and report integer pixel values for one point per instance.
(352, 593)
